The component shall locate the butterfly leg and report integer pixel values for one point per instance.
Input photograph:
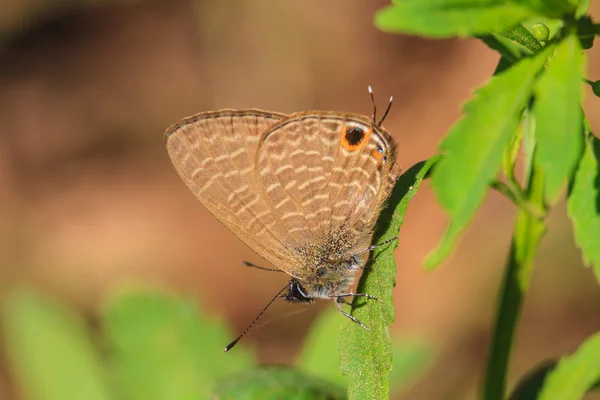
(249, 264)
(339, 302)
(368, 296)
(373, 247)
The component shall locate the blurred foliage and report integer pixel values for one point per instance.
(154, 345)
(533, 104)
(51, 350)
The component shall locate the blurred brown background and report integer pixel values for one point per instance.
(89, 198)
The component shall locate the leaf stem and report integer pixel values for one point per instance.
(507, 191)
(515, 194)
(528, 232)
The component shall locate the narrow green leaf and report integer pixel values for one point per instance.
(163, 348)
(275, 383)
(583, 204)
(50, 350)
(320, 354)
(366, 357)
(511, 152)
(574, 375)
(475, 146)
(441, 19)
(558, 116)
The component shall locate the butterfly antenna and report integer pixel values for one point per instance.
(374, 106)
(387, 110)
(230, 345)
(249, 264)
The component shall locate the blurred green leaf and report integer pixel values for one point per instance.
(574, 375)
(411, 360)
(162, 347)
(438, 18)
(320, 353)
(551, 8)
(530, 385)
(582, 8)
(366, 357)
(558, 117)
(475, 146)
(275, 383)
(583, 204)
(50, 350)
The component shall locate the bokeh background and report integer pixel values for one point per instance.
(89, 198)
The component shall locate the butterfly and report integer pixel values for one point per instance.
(303, 190)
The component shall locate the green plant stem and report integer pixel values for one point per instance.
(529, 230)
(507, 191)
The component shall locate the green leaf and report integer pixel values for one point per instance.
(520, 34)
(366, 357)
(511, 51)
(475, 146)
(411, 358)
(437, 18)
(275, 383)
(163, 348)
(576, 374)
(551, 8)
(583, 204)
(50, 350)
(554, 25)
(320, 353)
(530, 385)
(558, 117)
(582, 8)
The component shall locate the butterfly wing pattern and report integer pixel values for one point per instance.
(326, 176)
(302, 190)
(213, 152)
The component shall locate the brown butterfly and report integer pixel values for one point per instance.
(302, 190)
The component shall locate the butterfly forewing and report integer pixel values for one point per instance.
(214, 154)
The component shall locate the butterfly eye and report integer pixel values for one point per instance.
(354, 136)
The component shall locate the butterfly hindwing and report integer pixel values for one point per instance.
(323, 172)
(214, 154)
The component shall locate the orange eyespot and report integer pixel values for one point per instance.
(354, 138)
